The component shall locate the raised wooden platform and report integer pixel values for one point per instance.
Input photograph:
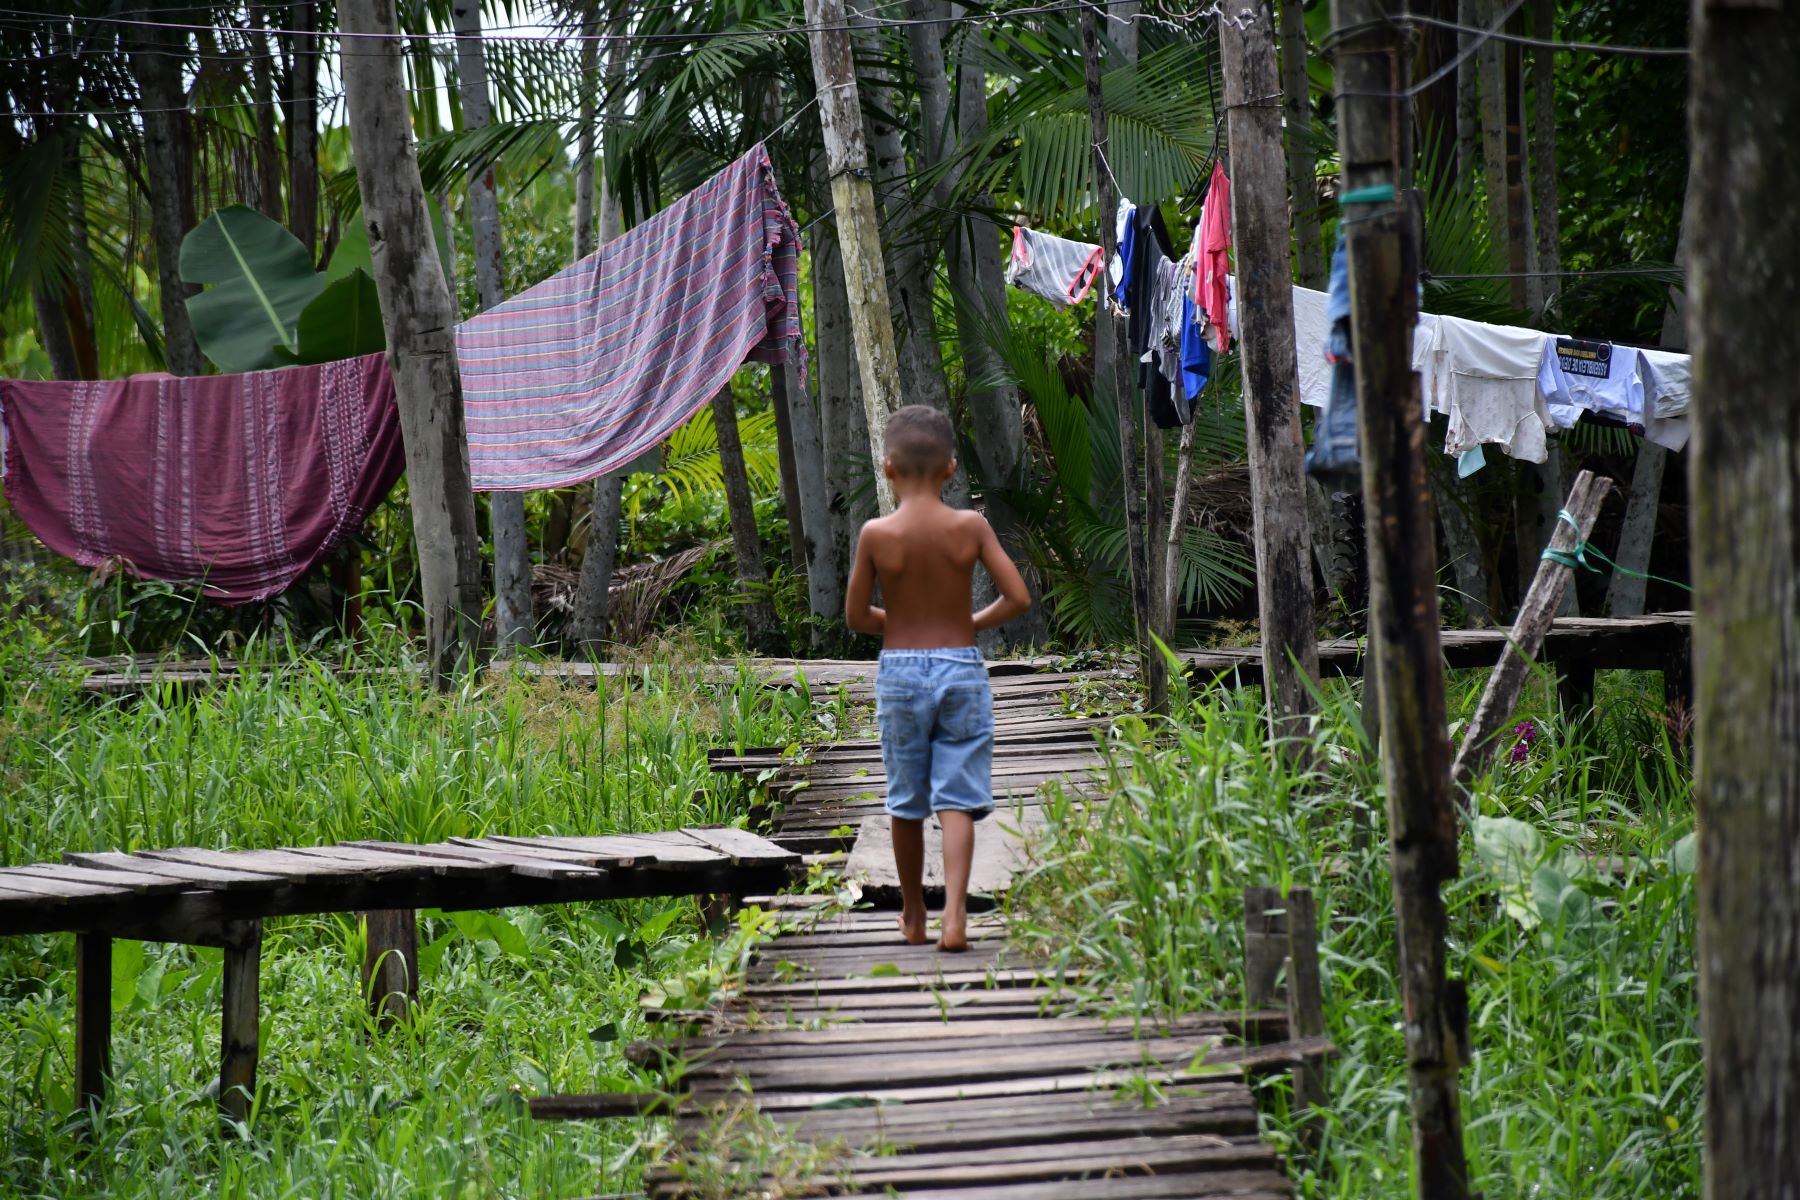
(220, 898)
(1576, 647)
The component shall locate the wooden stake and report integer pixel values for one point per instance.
(1265, 946)
(390, 973)
(1402, 579)
(1305, 1000)
(93, 1017)
(420, 322)
(240, 1026)
(1155, 670)
(1536, 615)
(859, 231)
(1259, 225)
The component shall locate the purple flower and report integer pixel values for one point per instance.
(1524, 733)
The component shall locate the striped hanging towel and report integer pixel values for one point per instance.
(583, 373)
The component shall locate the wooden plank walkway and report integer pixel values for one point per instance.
(1578, 646)
(897, 1070)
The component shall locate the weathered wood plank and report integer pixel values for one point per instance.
(191, 873)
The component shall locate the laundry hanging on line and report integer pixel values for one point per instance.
(1060, 270)
(240, 483)
(583, 373)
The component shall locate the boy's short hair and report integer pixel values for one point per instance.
(918, 440)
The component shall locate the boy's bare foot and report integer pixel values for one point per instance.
(912, 927)
(953, 935)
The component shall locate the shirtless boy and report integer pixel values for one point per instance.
(932, 701)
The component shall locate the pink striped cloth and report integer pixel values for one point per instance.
(586, 371)
(238, 483)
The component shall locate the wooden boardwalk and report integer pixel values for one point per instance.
(1577, 646)
(896, 1070)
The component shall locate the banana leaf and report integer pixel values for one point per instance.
(261, 280)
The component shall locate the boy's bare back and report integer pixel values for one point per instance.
(925, 555)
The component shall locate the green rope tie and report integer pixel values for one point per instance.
(1578, 557)
(1381, 193)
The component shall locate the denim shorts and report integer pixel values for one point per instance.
(936, 715)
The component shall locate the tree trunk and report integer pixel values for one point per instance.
(1143, 607)
(1546, 192)
(591, 87)
(268, 152)
(54, 333)
(1745, 505)
(1491, 71)
(1518, 234)
(1463, 545)
(1469, 13)
(506, 510)
(859, 234)
(1177, 529)
(753, 576)
(420, 321)
(1403, 610)
(303, 126)
(158, 57)
(1271, 389)
(1637, 534)
(1435, 107)
(1302, 168)
(588, 624)
(844, 437)
(787, 461)
(1122, 28)
(913, 260)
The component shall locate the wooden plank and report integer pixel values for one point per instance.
(1008, 1165)
(968, 1065)
(588, 1106)
(192, 873)
(1207, 1185)
(629, 849)
(534, 867)
(1305, 1001)
(294, 868)
(137, 882)
(1000, 852)
(924, 983)
(42, 890)
(741, 846)
(382, 862)
(997, 1089)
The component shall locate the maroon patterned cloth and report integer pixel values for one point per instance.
(237, 483)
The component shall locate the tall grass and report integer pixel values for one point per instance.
(522, 1001)
(1585, 1079)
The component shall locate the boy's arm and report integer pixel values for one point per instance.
(859, 614)
(1014, 597)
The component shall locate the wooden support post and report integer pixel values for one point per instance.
(93, 1017)
(1575, 686)
(1259, 226)
(1265, 945)
(1305, 1000)
(1536, 615)
(859, 230)
(240, 1026)
(390, 973)
(1155, 670)
(1372, 116)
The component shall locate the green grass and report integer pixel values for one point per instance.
(1585, 1079)
(514, 1003)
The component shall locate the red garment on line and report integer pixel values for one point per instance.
(1213, 260)
(240, 483)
